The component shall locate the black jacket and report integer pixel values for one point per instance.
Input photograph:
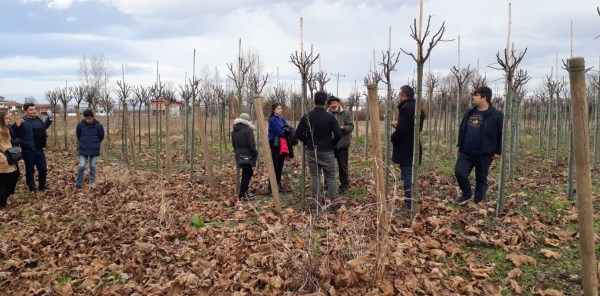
(14, 139)
(32, 138)
(403, 136)
(318, 130)
(491, 129)
(89, 137)
(242, 139)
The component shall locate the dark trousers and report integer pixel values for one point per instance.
(406, 176)
(341, 155)
(464, 165)
(8, 183)
(35, 159)
(245, 182)
(278, 161)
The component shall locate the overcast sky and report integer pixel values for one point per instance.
(42, 41)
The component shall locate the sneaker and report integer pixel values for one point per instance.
(480, 201)
(4, 208)
(462, 200)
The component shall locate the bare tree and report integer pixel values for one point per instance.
(420, 59)
(123, 92)
(389, 62)
(79, 93)
(94, 72)
(30, 99)
(322, 79)
(108, 104)
(462, 76)
(65, 97)
(238, 74)
(53, 97)
(508, 64)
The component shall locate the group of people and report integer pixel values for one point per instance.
(29, 133)
(326, 133)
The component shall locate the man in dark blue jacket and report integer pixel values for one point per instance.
(32, 132)
(320, 132)
(403, 139)
(479, 141)
(90, 134)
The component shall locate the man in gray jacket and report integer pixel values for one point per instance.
(344, 119)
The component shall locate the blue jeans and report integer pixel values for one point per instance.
(82, 162)
(35, 159)
(464, 165)
(406, 176)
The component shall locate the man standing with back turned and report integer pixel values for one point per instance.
(320, 132)
(479, 141)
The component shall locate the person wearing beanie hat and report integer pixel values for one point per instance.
(479, 142)
(320, 133)
(341, 150)
(242, 139)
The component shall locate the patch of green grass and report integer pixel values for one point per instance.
(62, 278)
(197, 221)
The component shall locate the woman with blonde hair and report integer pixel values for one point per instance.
(8, 172)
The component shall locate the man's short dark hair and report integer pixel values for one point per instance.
(88, 113)
(485, 92)
(27, 105)
(408, 91)
(320, 98)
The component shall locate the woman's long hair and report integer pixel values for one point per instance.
(273, 107)
(3, 128)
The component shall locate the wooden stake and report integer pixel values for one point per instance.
(383, 215)
(205, 152)
(264, 142)
(582, 175)
(129, 133)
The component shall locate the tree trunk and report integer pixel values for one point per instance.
(129, 135)
(168, 140)
(506, 144)
(414, 210)
(206, 153)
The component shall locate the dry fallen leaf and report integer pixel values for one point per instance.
(519, 260)
(515, 286)
(515, 273)
(552, 292)
(550, 253)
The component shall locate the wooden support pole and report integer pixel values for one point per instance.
(264, 142)
(205, 152)
(383, 214)
(130, 136)
(576, 67)
(167, 140)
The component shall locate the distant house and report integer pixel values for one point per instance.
(158, 107)
(11, 106)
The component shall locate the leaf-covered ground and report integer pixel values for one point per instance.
(135, 234)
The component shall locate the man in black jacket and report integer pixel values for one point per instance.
(479, 141)
(320, 132)
(32, 132)
(403, 139)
